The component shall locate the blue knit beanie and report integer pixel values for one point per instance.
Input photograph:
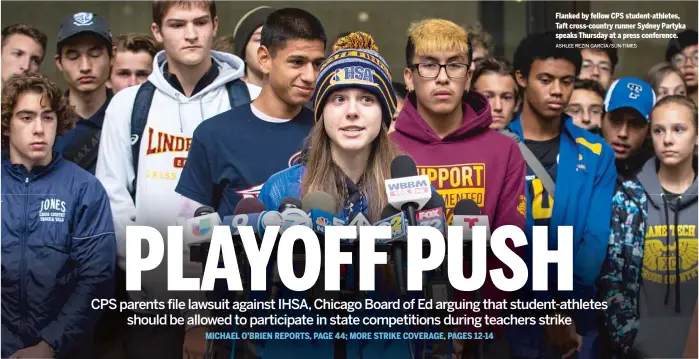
(356, 63)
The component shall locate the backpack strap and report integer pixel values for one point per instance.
(238, 93)
(84, 151)
(533, 162)
(139, 117)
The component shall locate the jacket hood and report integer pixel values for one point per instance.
(477, 118)
(649, 180)
(230, 68)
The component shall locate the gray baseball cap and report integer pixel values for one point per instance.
(84, 22)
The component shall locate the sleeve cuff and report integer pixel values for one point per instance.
(51, 334)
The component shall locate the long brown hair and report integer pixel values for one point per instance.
(322, 174)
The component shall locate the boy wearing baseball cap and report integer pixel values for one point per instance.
(246, 41)
(629, 102)
(84, 56)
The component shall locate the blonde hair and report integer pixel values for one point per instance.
(436, 35)
(322, 174)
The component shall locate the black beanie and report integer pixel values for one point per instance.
(684, 39)
(246, 27)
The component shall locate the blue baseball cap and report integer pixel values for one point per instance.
(630, 92)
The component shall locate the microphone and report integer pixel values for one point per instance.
(399, 231)
(467, 214)
(432, 214)
(290, 203)
(396, 219)
(292, 214)
(359, 220)
(198, 231)
(320, 206)
(204, 210)
(200, 227)
(407, 192)
(249, 205)
(251, 212)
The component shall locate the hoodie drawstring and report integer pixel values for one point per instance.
(676, 209)
(667, 253)
(179, 115)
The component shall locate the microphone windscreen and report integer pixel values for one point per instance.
(290, 202)
(204, 210)
(388, 211)
(466, 207)
(403, 166)
(248, 206)
(319, 200)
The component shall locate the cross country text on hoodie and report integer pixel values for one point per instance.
(668, 293)
(164, 148)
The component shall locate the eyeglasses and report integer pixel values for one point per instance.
(680, 59)
(594, 112)
(454, 70)
(602, 66)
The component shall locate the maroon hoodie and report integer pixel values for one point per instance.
(473, 162)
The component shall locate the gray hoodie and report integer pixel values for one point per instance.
(665, 308)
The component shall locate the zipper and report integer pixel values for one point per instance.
(23, 264)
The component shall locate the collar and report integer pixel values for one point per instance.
(516, 126)
(20, 172)
(205, 81)
(97, 118)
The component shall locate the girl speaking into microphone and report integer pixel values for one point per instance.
(349, 157)
(350, 152)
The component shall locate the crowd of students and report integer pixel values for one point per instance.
(151, 128)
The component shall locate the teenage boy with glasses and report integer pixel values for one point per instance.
(445, 129)
(586, 105)
(599, 63)
(682, 53)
